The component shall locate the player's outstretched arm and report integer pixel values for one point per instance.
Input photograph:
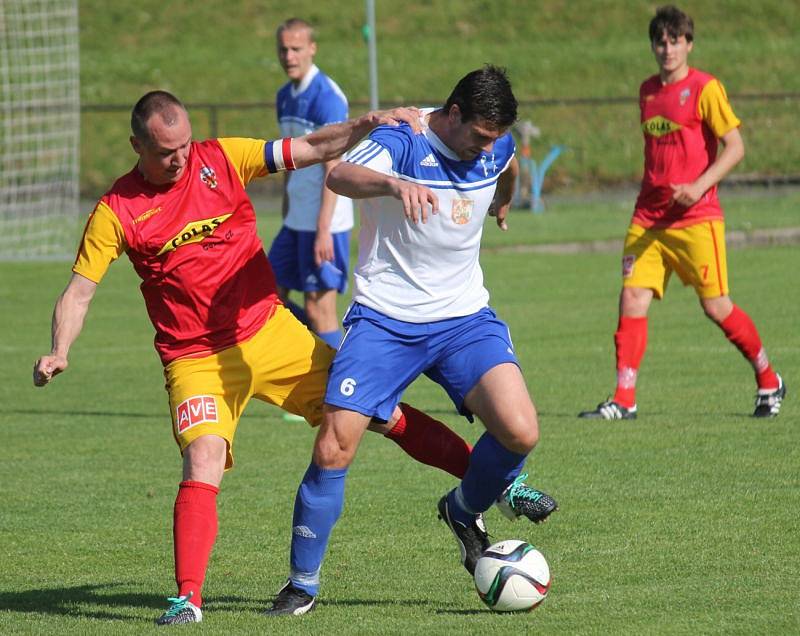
(359, 182)
(331, 142)
(68, 316)
(504, 193)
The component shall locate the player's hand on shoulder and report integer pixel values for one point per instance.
(396, 116)
(46, 367)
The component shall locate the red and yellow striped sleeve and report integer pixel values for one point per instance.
(103, 242)
(715, 109)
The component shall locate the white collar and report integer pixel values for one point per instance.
(310, 75)
(433, 138)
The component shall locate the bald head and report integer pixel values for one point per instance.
(166, 106)
(162, 137)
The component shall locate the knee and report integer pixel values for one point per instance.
(635, 301)
(523, 437)
(312, 311)
(527, 441)
(717, 309)
(204, 459)
(329, 452)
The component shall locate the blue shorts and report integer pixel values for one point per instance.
(379, 357)
(292, 257)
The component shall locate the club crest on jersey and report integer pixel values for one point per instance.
(488, 164)
(627, 265)
(461, 211)
(209, 177)
(200, 409)
(684, 95)
(194, 232)
(658, 126)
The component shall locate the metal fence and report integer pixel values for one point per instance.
(213, 112)
(597, 134)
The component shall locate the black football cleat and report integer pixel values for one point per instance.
(768, 402)
(472, 539)
(609, 410)
(291, 601)
(520, 500)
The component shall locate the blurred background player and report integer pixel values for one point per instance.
(420, 307)
(677, 224)
(311, 252)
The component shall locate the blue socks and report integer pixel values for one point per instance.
(317, 506)
(333, 338)
(492, 467)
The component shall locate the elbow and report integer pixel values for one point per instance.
(334, 180)
(736, 149)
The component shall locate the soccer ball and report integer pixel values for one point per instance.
(512, 576)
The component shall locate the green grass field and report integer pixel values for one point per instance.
(681, 522)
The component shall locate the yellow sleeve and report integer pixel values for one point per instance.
(246, 156)
(715, 110)
(102, 243)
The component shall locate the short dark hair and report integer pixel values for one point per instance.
(486, 93)
(675, 22)
(155, 102)
(296, 23)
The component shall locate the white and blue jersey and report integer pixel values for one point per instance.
(426, 271)
(420, 306)
(316, 102)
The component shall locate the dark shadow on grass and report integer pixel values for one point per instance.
(435, 607)
(101, 602)
(67, 601)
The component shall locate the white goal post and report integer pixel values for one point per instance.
(40, 128)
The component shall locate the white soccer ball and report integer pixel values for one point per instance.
(512, 576)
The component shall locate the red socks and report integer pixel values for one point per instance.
(740, 330)
(430, 442)
(194, 530)
(630, 340)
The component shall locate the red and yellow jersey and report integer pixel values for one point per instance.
(206, 281)
(682, 124)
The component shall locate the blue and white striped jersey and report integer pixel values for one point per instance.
(425, 272)
(316, 102)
